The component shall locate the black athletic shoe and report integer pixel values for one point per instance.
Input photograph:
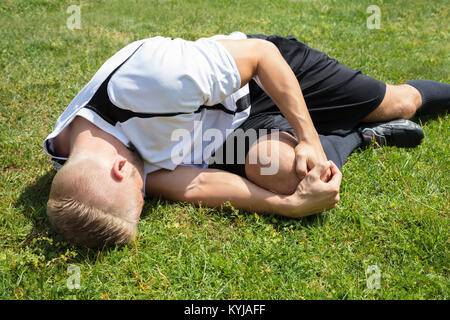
(400, 133)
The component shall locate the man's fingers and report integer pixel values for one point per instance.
(308, 156)
(320, 169)
(336, 175)
(301, 167)
(326, 175)
(333, 168)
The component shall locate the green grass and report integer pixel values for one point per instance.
(394, 211)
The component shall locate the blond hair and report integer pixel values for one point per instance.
(74, 209)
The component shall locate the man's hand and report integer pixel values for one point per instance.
(313, 195)
(307, 156)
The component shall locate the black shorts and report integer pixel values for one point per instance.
(337, 97)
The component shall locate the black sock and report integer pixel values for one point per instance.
(435, 95)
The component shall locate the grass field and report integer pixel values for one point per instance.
(394, 211)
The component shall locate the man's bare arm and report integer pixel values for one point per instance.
(213, 188)
(256, 57)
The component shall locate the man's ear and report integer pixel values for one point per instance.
(118, 169)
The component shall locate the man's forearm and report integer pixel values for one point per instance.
(213, 188)
(282, 86)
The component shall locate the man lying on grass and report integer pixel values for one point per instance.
(153, 121)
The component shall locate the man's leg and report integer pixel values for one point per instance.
(339, 98)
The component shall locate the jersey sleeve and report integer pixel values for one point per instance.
(222, 78)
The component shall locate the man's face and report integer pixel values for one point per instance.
(139, 183)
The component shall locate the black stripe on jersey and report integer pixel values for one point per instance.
(243, 103)
(102, 105)
(60, 161)
(52, 152)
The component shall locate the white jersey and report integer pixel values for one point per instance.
(153, 90)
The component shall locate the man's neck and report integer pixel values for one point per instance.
(81, 134)
(61, 143)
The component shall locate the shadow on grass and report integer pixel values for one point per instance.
(424, 119)
(315, 220)
(42, 238)
(32, 203)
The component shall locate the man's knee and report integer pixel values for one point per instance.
(281, 183)
(408, 100)
(406, 107)
(279, 156)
